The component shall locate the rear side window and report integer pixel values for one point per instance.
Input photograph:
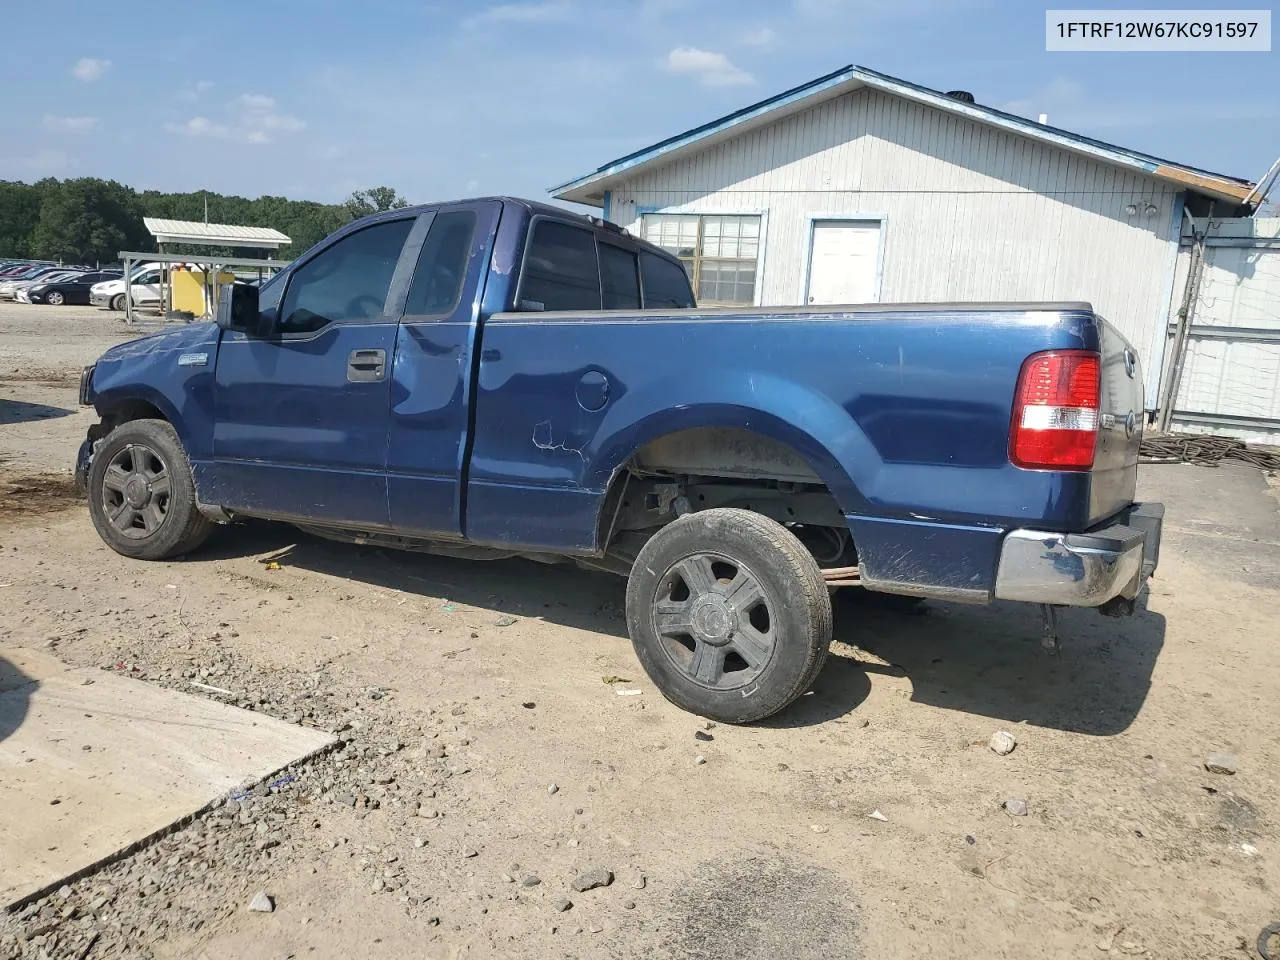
(666, 285)
(560, 269)
(619, 279)
(442, 265)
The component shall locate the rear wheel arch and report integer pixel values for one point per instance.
(798, 458)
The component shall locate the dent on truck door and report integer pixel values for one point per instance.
(302, 416)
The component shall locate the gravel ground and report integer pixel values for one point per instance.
(489, 780)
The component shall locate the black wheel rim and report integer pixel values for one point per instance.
(715, 621)
(136, 491)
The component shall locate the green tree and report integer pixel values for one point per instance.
(374, 200)
(89, 220)
(19, 214)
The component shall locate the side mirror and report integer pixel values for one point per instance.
(238, 308)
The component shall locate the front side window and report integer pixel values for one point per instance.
(442, 265)
(718, 252)
(347, 282)
(560, 269)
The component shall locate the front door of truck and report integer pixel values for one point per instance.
(302, 415)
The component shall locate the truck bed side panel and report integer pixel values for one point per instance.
(904, 415)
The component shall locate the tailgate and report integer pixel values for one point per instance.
(1115, 466)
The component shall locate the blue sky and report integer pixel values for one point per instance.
(314, 98)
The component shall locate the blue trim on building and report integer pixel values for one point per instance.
(855, 77)
(608, 204)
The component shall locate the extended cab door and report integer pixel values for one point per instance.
(431, 377)
(302, 416)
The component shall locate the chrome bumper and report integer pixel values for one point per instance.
(1082, 569)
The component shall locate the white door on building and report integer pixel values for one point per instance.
(844, 259)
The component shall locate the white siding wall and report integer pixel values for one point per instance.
(1239, 287)
(971, 213)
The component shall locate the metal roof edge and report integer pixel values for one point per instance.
(738, 117)
(1203, 181)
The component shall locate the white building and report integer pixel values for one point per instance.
(859, 187)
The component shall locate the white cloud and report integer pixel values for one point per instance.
(258, 119)
(255, 101)
(56, 124)
(199, 127)
(712, 69)
(88, 69)
(192, 92)
(41, 163)
(538, 12)
(763, 37)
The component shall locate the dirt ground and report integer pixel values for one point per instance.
(486, 764)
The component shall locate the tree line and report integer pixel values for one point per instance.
(88, 220)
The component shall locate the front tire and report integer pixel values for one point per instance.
(728, 614)
(117, 302)
(54, 299)
(142, 497)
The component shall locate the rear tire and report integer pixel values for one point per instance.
(142, 497)
(728, 614)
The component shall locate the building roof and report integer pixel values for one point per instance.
(590, 188)
(214, 234)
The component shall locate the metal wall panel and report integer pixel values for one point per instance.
(970, 213)
(1231, 379)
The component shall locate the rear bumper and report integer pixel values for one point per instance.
(1082, 569)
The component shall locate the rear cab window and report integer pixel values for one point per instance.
(561, 271)
(570, 267)
(666, 284)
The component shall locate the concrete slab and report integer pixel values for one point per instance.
(91, 764)
(1226, 518)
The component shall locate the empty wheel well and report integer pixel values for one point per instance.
(709, 467)
(133, 409)
(123, 412)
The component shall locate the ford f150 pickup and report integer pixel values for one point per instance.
(498, 378)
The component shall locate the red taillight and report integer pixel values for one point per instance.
(1055, 411)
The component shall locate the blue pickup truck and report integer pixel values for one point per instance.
(498, 378)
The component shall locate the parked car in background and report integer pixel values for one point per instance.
(12, 268)
(21, 291)
(10, 289)
(74, 289)
(10, 283)
(145, 289)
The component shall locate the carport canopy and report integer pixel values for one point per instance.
(213, 234)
